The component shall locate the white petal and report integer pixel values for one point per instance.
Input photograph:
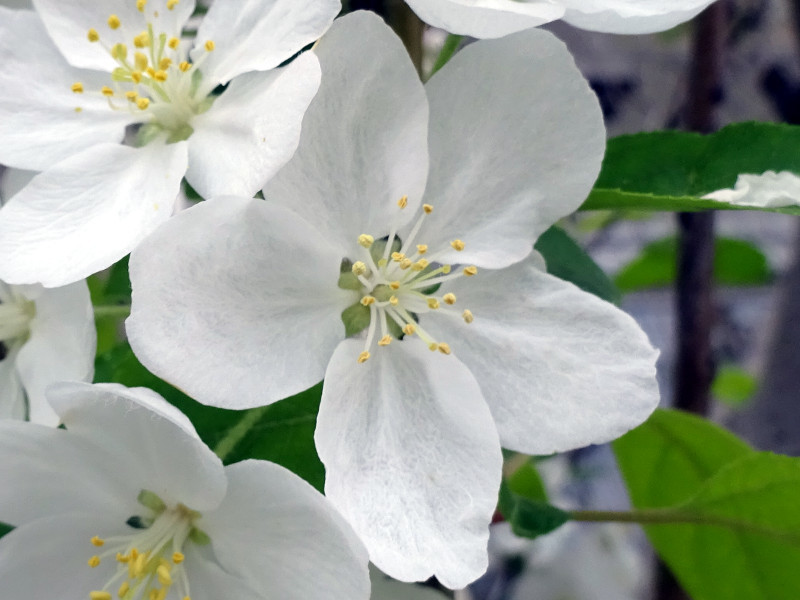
(630, 16)
(208, 581)
(87, 212)
(68, 24)
(136, 424)
(47, 558)
(12, 396)
(39, 124)
(412, 459)
(12, 181)
(364, 139)
(251, 130)
(258, 35)
(559, 367)
(61, 346)
(485, 18)
(501, 177)
(768, 190)
(243, 317)
(276, 530)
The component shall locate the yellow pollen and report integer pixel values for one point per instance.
(140, 61)
(409, 329)
(98, 541)
(136, 76)
(123, 558)
(367, 300)
(150, 71)
(99, 596)
(467, 316)
(140, 4)
(185, 66)
(385, 340)
(366, 240)
(395, 285)
(457, 245)
(178, 558)
(363, 357)
(449, 299)
(209, 45)
(444, 348)
(143, 103)
(394, 301)
(94, 561)
(398, 256)
(406, 263)
(164, 577)
(77, 87)
(131, 95)
(93, 36)
(422, 248)
(428, 208)
(140, 564)
(359, 268)
(173, 43)
(420, 265)
(106, 91)
(403, 202)
(433, 346)
(171, 4)
(433, 303)
(160, 76)
(78, 109)
(446, 269)
(164, 63)
(123, 589)
(142, 40)
(119, 51)
(113, 22)
(470, 271)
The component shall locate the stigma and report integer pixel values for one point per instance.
(16, 314)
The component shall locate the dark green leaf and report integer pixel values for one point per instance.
(4, 529)
(523, 503)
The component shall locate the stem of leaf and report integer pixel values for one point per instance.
(117, 311)
(236, 434)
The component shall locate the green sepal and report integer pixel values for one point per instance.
(199, 537)
(152, 501)
(356, 319)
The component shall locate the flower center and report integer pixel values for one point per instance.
(154, 79)
(15, 319)
(150, 561)
(399, 282)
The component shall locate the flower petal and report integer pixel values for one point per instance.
(768, 190)
(208, 581)
(559, 367)
(12, 396)
(137, 426)
(61, 345)
(39, 123)
(485, 18)
(87, 212)
(630, 16)
(364, 139)
(251, 130)
(501, 177)
(412, 459)
(311, 551)
(258, 35)
(68, 24)
(12, 181)
(243, 317)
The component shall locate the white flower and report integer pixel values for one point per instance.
(76, 74)
(495, 18)
(129, 503)
(768, 190)
(46, 335)
(253, 313)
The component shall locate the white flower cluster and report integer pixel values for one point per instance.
(391, 255)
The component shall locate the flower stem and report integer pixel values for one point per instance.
(118, 311)
(236, 434)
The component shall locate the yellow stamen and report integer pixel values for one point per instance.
(470, 271)
(171, 4)
(433, 346)
(385, 340)
(420, 265)
(77, 87)
(433, 303)
(131, 95)
(209, 45)
(449, 299)
(150, 71)
(173, 43)
(140, 61)
(136, 76)
(142, 40)
(446, 269)
(143, 103)
(164, 63)
(428, 208)
(178, 558)
(106, 91)
(164, 577)
(93, 36)
(409, 329)
(99, 596)
(123, 589)
(140, 4)
(160, 76)
(94, 561)
(367, 300)
(119, 51)
(457, 245)
(394, 301)
(403, 202)
(406, 263)
(366, 240)
(363, 357)
(444, 348)
(395, 285)
(185, 66)
(422, 248)
(467, 316)
(139, 564)
(123, 558)
(398, 256)
(98, 541)
(113, 22)
(359, 268)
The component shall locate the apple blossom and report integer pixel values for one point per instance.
(76, 74)
(346, 271)
(129, 503)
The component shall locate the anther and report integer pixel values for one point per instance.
(123, 589)
(178, 557)
(150, 71)
(446, 269)
(363, 357)
(131, 95)
(422, 248)
(140, 61)
(77, 87)
(394, 301)
(428, 208)
(93, 36)
(403, 202)
(94, 561)
(164, 577)
(185, 66)
(470, 271)
(395, 285)
(173, 43)
(171, 4)
(385, 340)
(409, 329)
(209, 45)
(398, 256)
(140, 4)
(359, 268)
(433, 303)
(136, 76)
(444, 348)
(98, 541)
(141, 40)
(367, 300)
(143, 103)
(449, 298)
(119, 51)
(123, 558)
(99, 596)
(113, 22)
(164, 63)
(420, 265)
(366, 240)
(160, 76)
(106, 91)
(467, 316)
(433, 346)
(457, 245)
(406, 263)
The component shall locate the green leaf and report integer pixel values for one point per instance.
(736, 263)
(523, 503)
(282, 432)
(671, 170)
(567, 260)
(733, 385)
(4, 529)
